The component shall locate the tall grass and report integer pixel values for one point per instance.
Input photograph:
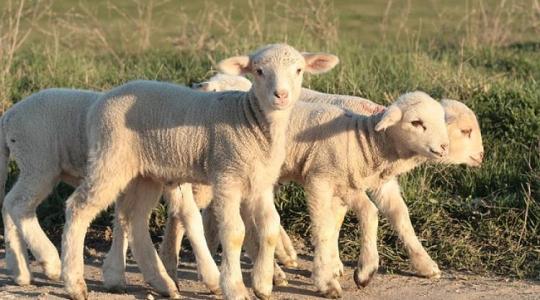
(482, 220)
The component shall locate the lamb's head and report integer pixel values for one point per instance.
(223, 82)
(416, 124)
(464, 132)
(277, 72)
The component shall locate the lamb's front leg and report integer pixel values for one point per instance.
(267, 224)
(388, 199)
(339, 210)
(227, 198)
(369, 257)
(319, 193)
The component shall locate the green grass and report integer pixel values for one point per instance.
(484, 220)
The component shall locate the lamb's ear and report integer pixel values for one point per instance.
(236, 65)
(449, 117)
(391, 116)
(449, 110)
(317, 63)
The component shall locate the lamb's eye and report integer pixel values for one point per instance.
(418, 123)
(259, 72)
(298, 71)
(466, 132)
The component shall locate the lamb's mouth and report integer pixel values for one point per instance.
(477, 161)
(436, 154)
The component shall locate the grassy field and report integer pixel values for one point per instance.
(485, 53)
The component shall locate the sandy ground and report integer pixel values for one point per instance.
(384, 286)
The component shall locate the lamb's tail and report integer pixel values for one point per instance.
(4, 162)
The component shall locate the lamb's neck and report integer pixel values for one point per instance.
(375, 147)
(379, 151)
(271, 125)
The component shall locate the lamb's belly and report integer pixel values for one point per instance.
(167, 158)
(175, 172)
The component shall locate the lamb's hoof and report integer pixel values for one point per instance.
(215, 290)
(332, 290)
(52, 271)
(116, 289)
(261, 295)
(113, 280)
(77, 290)
(427, 268)
(22, 280)
(433, 274)
(236, 292)
(281, 282)
(114, 284)
(290, 263)
(175, 295)
(279, 278)
(339, 270)
(362, 280)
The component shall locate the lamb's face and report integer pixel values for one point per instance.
(223, 82)
(277, 77)
(464, 132)
(277, 72)
(416, 122)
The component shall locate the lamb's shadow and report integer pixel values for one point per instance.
(335, 125)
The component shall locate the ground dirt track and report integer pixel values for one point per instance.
(385, 286)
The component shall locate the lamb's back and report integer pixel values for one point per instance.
(169, 127)
(50, 125)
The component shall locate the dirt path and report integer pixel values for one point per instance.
(384, 286)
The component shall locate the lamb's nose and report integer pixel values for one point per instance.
(481, 155)
(444, 146)
(281, 94)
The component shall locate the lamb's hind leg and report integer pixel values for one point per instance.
(369, 257)
(319, 195)
(19, 209)
(174, 231)
(16, 253)
(285, 252)
(92, 196)
(114, 265)
(141, 196)
(251, 245)
(211, 229)
(190, 217)
(389, 200)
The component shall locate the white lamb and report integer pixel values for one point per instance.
(465, 148)
(162, 132)
(45, 135)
